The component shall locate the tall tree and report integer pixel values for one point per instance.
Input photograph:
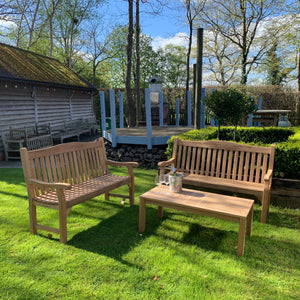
(129, 48)
(28, 22)
(221, 59)
(276, 71)
(50, 7)
(97, 49)
(239, 21)
(137, 53)
(193, 9)
(71, 17)
(174, 65)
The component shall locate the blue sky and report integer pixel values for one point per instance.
(167, 26)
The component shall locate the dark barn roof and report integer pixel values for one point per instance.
(28, 67)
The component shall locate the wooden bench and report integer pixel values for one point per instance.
(71, 129)
(225, 166)
(31, 137)
(65, 175)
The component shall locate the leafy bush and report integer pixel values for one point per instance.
(229, 106)
(209, 133)
(267, 135)
(287, 160)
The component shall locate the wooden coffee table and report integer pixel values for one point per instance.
(203, 203)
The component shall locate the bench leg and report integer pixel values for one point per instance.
(142, 216)
(32, 218)
(249, 222)
(107, 196)
(265, 206)
(160, 211)
(131, 193)
(242, 233)
(63, 212)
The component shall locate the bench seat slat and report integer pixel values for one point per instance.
(223, 183)
(85, 190)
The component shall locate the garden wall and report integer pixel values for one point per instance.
(146, 158)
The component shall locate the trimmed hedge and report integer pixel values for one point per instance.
(264, 135)
(287, 160)
(287, 154)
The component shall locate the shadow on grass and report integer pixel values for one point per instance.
(117, 234)
(265, 251)
(4, 193)
(12, 176)
(284, 219)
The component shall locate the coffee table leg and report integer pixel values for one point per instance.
(242, 233)
(249, 221)
(142, 216)
(160, 211)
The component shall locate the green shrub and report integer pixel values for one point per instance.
(264, 135)
(287, 160)
(229, 106)
(209, 133)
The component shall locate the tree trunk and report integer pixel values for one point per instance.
(187, 83)
(297, 117)
(298, 71)
(131, 104)
(243, 72)
(31, 27)
(137, 49)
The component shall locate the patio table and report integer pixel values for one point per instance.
(203, 203)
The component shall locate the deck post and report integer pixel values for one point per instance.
(148, 118)
(102, 107)
(161, 109)
(121, 109)
(202, 118)
(113, 118)
(189, 109)
(250, 120)
(259, 107)
(177, 112)
(212, 119)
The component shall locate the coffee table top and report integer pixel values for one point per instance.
(210, 202)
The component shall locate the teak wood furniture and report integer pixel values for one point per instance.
(31, 137)
(65, 175)
(73, 129)
(225, 166)
(203, 203)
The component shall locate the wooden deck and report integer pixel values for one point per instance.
(140, 135)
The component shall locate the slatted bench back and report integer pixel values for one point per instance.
(70, 163)
(222, 159)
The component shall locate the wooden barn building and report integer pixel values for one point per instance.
(35, 89)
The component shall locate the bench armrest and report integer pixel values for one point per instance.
(268, 175)
(55, 185)
(163, 164)
(166, 163)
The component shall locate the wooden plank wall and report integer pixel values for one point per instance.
(54, 105)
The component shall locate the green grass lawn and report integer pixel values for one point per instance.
(182, 256)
